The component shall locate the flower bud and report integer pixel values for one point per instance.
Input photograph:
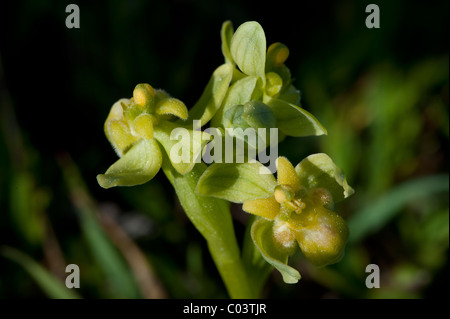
(143, 94)
(274, 83)
(277, 54)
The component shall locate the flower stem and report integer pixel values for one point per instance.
(212, 218)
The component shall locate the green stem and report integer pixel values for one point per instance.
(212, 218)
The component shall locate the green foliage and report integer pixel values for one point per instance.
(382, 98)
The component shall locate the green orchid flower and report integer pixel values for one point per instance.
(137, 128)
(296, 210)
(260, 74)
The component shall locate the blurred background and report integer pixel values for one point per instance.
(382, 94)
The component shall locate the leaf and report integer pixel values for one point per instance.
(226, 34)
(139, 165)
(319, 170)
(107, 256)
(183, 146)
(52, 287)
(27, 202)
(262, 236)
(374, 216)
(213, 95)
(236, 182)
(248, 49)
(293, 120)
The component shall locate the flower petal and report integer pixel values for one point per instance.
(116, 130)
(286, 174)
(319, 171)
(277, 54)
(143, 125)
(263, 207)
(172, 106)
(119, 135)
(139, 165)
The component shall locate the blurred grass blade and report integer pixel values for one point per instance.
(52, 287)
(107, 256)
(371, 218)
(150, 286)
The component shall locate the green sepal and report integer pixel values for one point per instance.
(226, 34)
(262, 235)
(139, 165)
(213, 95)
(236, 182)
(319, 171)
(248, 49)
(293, 120)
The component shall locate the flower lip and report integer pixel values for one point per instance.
(283, 234)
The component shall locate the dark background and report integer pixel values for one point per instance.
(381, 93)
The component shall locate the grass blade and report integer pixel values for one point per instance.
(52, 287)
(374, 216)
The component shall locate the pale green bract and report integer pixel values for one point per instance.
(248, 49)
(236, 182)
(139, 165)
